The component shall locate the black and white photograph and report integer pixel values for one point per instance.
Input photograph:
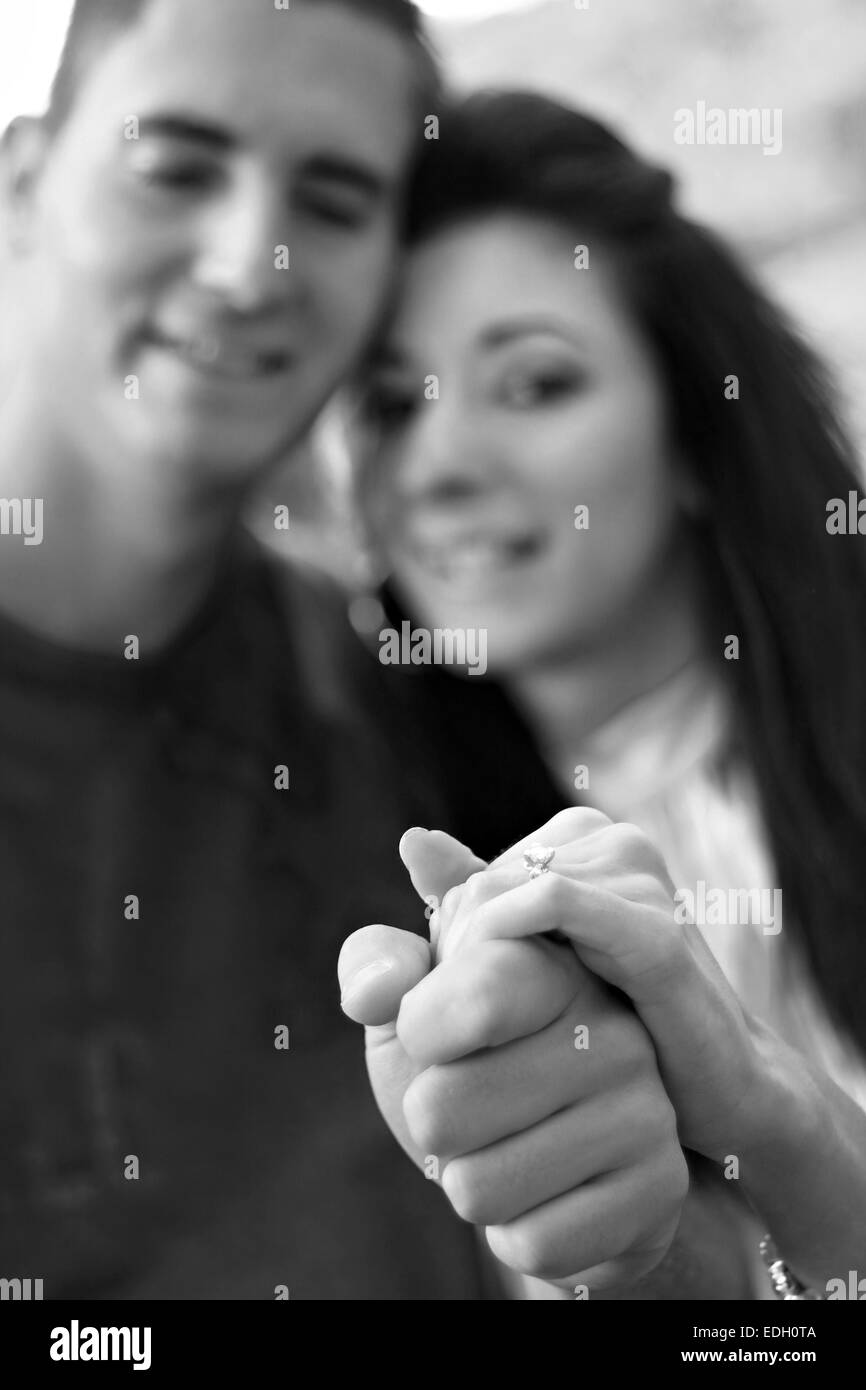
(432, 669)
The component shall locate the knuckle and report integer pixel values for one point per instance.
(644, 1094)
(575, 823)
(451, 901)
(637, 1042)
(458, 914)
(636, 848)
(637, 1052)
(665, 1184)
(644, 888)
(483, 886)
(660, 1120)
(465, 1191)
(625, 1050)
(669, 1189)
(654, 861)
(558, 899)
(476, 889)
(520, 1246)
(680, 1178)
(427, 1112)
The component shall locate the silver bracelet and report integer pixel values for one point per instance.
(785, 1284)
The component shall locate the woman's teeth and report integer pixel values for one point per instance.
(476, 559)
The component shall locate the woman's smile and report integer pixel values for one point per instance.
(472, 559)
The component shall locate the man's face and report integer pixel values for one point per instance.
(209, 239)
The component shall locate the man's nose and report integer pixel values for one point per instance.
(244, 256)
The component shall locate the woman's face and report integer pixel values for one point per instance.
(518, 474)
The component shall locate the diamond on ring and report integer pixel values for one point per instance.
(537, 860)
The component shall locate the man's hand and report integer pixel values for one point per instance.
(526, 1084)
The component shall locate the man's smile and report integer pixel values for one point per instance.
(222, 356)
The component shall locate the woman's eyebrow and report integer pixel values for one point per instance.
(501, 334)
(394, 356)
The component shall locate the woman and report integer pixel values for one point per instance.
(589, 436)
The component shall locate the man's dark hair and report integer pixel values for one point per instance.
(96, 23)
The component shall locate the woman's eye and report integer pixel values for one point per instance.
(539, 389)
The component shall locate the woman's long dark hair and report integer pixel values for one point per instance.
(767, 464)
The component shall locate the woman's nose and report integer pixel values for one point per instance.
(448, 455)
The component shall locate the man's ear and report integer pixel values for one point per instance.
(23, 148)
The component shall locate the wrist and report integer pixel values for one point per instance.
(800, 1152)
(782, 1114)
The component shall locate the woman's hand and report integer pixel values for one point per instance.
(738, 1090)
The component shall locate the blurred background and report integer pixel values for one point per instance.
(799, 216)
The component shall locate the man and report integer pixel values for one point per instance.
(196, 803)
(183, 1113)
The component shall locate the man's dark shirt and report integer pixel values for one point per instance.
(154, 1142)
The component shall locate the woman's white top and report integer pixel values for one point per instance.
(660, 764)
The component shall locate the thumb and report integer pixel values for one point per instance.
(377, 966)
(437, 862)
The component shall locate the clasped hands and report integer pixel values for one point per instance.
(556, 1045)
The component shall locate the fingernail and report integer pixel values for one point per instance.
(416, 830)
(364, 976)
